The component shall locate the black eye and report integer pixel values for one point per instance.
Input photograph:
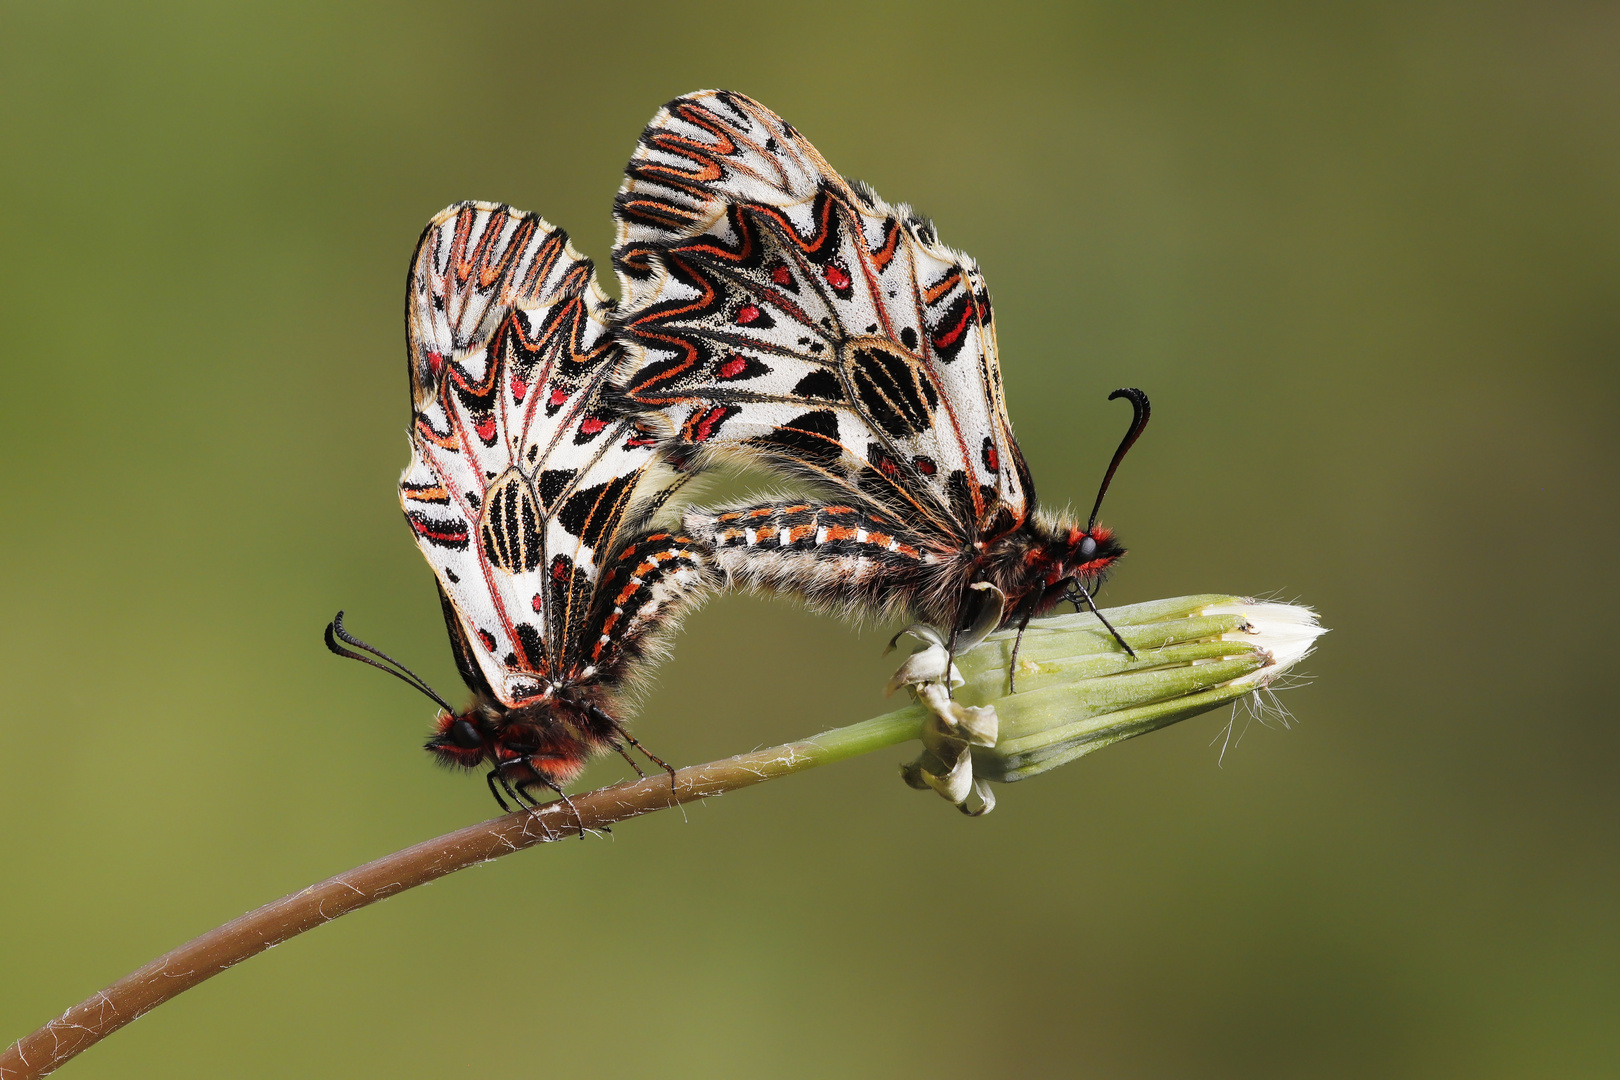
(1088, 548)
(464, 735)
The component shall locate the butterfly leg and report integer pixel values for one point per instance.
(579, 820)
(654, 758)
(1012, 665)
(983, 605)
(619, 730)
(490, 779)
(1110, 626)
(618, 748)
(519, 794)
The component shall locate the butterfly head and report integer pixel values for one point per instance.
(462, 740)
(1083, 554)
(1057, 555)
(534, 748)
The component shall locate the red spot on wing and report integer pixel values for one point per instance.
(435, 362)
(519, 388)
(557, 398)
(536, 602)
(947, 339)
(732, 368)
(748, 313)
(485, 427)
(703, 427)
(837, 277)
(592, 425)
(488, 639)
(781, 275)
(449, 532)
(925, 466)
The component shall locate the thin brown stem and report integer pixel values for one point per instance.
(175, 972)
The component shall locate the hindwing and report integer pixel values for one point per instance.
(520, 479)
(775, 313)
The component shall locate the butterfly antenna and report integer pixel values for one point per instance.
(336, 633)
(1092, 604)
(1139, 401)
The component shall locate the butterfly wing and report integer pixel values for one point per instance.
(777, 314)
(519, 480)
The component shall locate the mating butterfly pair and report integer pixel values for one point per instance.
(773, 314)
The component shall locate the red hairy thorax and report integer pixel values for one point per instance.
(524, 749)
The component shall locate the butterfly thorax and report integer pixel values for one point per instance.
(550, 737)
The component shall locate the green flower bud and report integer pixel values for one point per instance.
(1078, 691)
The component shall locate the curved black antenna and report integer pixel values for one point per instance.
(334, 630)
(1139, 400)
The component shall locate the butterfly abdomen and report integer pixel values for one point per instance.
(837, 556)
(644, 592)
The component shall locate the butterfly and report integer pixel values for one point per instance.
(529, 499)
(779, 315)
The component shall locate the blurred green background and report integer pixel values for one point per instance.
(1365, 258)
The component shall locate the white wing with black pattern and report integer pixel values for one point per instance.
(776, 313)
(519, 480)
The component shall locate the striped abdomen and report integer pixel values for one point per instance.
(831, 555)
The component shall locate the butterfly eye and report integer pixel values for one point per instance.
(1088, 547)
(464, 735)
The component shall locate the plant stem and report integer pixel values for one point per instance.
(137, 993)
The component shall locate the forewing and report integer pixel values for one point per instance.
(519, 478)
(776, 313)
